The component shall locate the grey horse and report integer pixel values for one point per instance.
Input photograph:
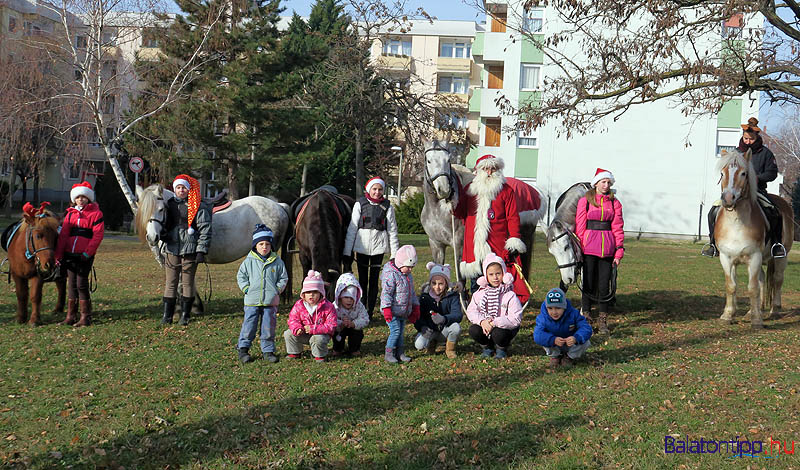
(560, 235)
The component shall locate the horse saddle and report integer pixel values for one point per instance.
(8, 234)
(219, 202)
(341, 204)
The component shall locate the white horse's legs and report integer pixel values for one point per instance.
(437, 251)
(754, 285)
(729, 268)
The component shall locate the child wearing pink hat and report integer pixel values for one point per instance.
(399, 303)
(312, 320)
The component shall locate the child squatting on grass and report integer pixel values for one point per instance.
(494, 311)
(561, 329)
(399, 303)
(312, 320)
(440, 312)
(351, 316)
(262, 277)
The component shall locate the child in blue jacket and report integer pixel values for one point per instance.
(261, 277)
(561, 329)
(440, 312)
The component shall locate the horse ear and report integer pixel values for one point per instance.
(723, 153)
(748, 155)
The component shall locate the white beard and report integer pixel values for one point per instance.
(485, 188)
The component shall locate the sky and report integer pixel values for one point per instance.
(441, 9)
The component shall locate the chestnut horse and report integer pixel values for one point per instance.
(31, 259)
(740, 232)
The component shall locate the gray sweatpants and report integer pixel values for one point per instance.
(318, 343)
(573, 352)
(448, 333)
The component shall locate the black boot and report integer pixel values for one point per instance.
(169, 311)
(244, 355)
(776, 233)
(711, 248)
(186, 310)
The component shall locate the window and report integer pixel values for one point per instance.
(110, 38)
(108, 104)
(529, 77)
(81, 42)
(5, 168)
(12, 24)
(458, 49)
(727, 139)
(533, 22)
(451, 121)
(492, 137)
(149, 38)
(732, 28)
(395, 46)
(109, 68)
(211, 188)
(527, 138)
(450, 84)
(111, 134)
(74, 171)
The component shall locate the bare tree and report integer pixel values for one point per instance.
(96, 40)
(610, 55)
(785, 144)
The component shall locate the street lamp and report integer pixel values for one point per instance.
(397, 148)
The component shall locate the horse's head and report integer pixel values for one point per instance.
(437, 168)
(41, 236)
(737, 177)
(152, 213)
(561, 244)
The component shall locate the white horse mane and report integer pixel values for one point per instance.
(736, 158)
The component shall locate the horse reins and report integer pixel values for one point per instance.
(31, 254)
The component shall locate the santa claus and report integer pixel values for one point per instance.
(488, 206)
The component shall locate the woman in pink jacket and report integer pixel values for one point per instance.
(81, 233)
(312, 320)
(495, 310)
(599, 226)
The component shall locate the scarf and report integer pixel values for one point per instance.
(372, 200)
(437, 298)
(490, 304)
(755, 146)
(311, 309)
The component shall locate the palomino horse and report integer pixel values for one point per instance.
(320, 231)
(560, 235)
(231, 228)
(31, 259)
(740, 232)
(441, 185)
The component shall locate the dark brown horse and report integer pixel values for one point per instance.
(31, 259)
(320, 230)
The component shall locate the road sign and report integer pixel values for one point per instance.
(136, 164)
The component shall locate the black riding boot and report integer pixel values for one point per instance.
(776, 233)
(711, 248)
(169, 310)
(186, 309)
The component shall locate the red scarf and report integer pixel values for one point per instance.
(755, 146)
(374, 201)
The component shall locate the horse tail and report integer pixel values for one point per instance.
(286, 255)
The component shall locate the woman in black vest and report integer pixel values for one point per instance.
(372, 232)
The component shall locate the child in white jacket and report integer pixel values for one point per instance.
(351, 316)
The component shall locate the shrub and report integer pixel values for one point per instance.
(408, 213)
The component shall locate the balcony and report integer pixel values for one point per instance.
(496, 46)
(453, 65)
(394, 62)
(452, 100)
(489, 107)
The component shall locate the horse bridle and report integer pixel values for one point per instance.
(574, 242)
(31, 254)
(447, 174)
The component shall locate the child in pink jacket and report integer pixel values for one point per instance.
(599, 226)
(495, 310)
(312, 320)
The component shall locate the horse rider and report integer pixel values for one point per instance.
(766, 170)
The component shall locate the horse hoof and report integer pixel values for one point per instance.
(726, 321)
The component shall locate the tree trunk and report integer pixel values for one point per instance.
(233, 190)
(10, 200)
(360, 182)
(303, 180)
(123, 182)
(36, 197)
(24, 188)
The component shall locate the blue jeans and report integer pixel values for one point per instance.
(396, 328)
(252, 315)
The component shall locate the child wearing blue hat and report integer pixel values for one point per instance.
(561, 330)
(262, 277)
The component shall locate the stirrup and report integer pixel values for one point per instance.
(778, 250)
(709, 250)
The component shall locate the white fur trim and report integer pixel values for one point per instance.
(602, 175)
(485, 188)
(181, 181)
(374, 181)
(494, 162)
(81, 191)
(471, 270)
(515, 244)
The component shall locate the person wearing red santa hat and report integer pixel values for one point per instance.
(488, 207)
(187, 228)
(81, 233)
(599, 226)
(371, 234)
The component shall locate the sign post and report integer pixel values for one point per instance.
(136, 165)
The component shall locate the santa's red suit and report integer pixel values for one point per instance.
(490, 212)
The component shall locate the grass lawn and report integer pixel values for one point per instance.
(128, 393)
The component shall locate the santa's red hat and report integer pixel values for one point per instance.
(193, 201)
(489, 161)
(81, 189)
(375, 180)
(602, 174)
